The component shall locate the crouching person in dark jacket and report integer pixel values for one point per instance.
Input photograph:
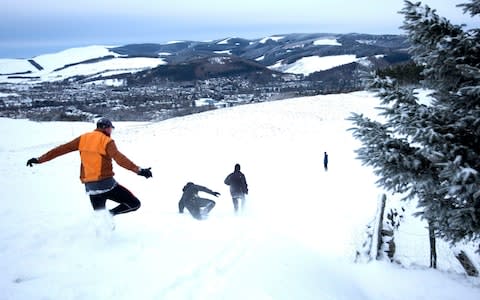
(198, 207)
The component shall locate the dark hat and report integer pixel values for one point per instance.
(188, 185)
(103, 123)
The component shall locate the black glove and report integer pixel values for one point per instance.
(145, 172)
(216, 194)
(32, 161)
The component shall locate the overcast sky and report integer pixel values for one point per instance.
(33, 27)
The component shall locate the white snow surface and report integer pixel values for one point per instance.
(326, 42)
(8, 66)
(73, 55)
(224, 42)
(296, 238)
(68, 63)
(310, 64)
(273, 38)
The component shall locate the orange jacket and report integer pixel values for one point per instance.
(96, 153)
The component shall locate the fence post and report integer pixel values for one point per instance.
(379, 227)
(433, 245)
(379, 235)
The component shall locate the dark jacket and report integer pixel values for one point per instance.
(237, 182)
(190, 195)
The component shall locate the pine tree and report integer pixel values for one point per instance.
(431, 151)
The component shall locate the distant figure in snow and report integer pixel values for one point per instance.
(198, 207)
(238, 187)
(325, 161)
(97, 149)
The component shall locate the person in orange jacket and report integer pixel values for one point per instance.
(97, 149)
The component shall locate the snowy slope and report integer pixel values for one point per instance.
(13, 66)
(310, 64)
(74, 62)
(296, 239)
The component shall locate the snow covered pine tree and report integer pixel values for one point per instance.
(431, 151)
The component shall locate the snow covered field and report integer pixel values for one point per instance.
(55, 65)
(295, 240)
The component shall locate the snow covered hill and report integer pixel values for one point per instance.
(295, 240)
(285, 53)
(84, 61)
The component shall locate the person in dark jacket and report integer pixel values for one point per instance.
(325, 161)
(238, 187)
(198, 207)
(97, 149)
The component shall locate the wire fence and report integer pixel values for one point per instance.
(396, 235)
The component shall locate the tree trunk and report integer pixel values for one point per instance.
(467, 264)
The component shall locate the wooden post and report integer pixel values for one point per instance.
(433, 247)
(380, 227)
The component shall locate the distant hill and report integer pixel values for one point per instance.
(195, 60)
(141, 82)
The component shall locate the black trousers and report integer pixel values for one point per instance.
(200, 207)
(127, 201)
